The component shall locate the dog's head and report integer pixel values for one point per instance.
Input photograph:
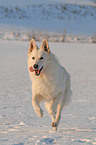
(37, 58)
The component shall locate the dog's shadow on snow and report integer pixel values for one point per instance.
(47, 140)
(19, 144)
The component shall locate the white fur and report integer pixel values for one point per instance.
(53, 84)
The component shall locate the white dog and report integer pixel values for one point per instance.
(50, 81)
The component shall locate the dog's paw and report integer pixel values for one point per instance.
(54, 124)
(40, 113)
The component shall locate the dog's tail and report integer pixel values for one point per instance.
(67, 92)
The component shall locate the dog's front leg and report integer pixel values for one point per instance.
(37, 108)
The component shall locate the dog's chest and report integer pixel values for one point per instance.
(44, 87)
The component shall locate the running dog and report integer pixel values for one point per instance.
(50, 81)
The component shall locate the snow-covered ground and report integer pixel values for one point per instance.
(19, 125)
(74, 16)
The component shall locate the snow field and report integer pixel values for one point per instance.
(55, 16)
(19, 125)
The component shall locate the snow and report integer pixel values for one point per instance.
(76, 17)
(19, 125)
(59, 21)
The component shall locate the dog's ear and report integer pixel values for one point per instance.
(32, 46)
(45, 46)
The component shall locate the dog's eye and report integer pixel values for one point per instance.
(33, 57)
(41, 57)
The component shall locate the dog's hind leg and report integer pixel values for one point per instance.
(51, 107)
(65, 99)
(58, 113)
(36, 106)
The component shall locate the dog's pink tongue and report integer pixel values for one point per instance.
(31, 69)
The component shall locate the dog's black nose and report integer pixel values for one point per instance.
(35, 66)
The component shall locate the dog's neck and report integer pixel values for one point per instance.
(49, 70)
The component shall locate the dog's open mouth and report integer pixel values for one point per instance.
(37, 71)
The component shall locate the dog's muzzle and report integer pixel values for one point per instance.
(37, 71)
